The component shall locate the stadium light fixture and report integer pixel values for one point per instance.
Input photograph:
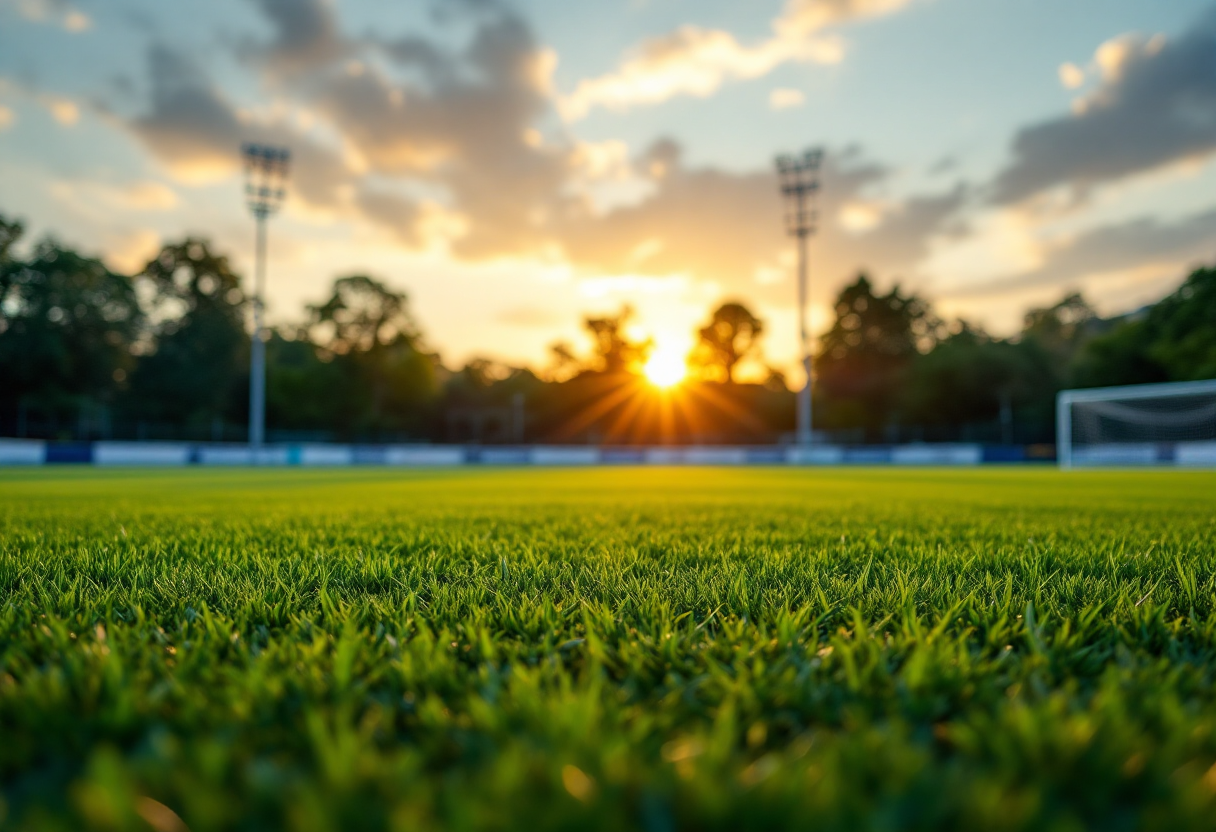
(799, 177)
(265, 187)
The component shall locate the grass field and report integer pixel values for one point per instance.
(607, 649)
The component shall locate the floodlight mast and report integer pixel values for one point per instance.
(265, 186)
(799, 183)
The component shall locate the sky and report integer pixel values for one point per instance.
(517, 165)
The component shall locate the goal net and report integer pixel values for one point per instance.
(1141, 424)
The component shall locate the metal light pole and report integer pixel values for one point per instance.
(265, 186)
(799, 181)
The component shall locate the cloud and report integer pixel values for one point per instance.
(529, 317)
(1141, 246)
(1155, 105)
(107, 198)
(443, 144)
(805, 17)
(725, 227)
(449, 157)
(306, 34)
(689, 61)
(63, 110)
(54, 11)
(861, 216)
(1071, 76)
(190, 125)
(129, 253)
(467, 130)
(695, 61)
(77, 22)
(7, 117)
(784, 99)
(197, 133)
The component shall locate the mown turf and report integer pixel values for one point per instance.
(607, 649)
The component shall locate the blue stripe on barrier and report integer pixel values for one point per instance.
(501, 456)
(69, 452)
(867, 456)
(1003, 453)
(622, 456)
(765, 456)
(369, 455)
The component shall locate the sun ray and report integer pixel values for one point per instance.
(599, 407)
(627, 415)
(727, 407)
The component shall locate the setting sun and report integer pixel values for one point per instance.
(665, 368)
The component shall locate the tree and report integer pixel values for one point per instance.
(196, 366)
(67, 324)
(1121, 356)
(1174, 340)
(362, 315)
(969, 379)
(732, 334)
(373, 376)
(1184, 326)
(1061, 329)
(864, 358)
(615, 351)
(10, 232)
(563, 363)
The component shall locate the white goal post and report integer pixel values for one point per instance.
(1138, 424)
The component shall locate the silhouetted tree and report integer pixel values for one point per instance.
(374, 378)
(10, 232)
(362, 315)
(1061, 329)
(563, 363)
(865, 357)
(969, 378)
(775, 380)
(615, 352)
(196, 369)
(67, 326)
(732, 334)
(1174, 340)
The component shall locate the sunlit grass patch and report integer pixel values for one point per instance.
(610, 648)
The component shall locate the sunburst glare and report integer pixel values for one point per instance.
(665, 368)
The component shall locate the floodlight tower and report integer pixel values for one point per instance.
(265, 187)
(799, 181)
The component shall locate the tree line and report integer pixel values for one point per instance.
(88, 353)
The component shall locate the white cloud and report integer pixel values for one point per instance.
(77, 22)
(859, 216)
(55, 12)
(148, 196)
(101, 199)
(800, 18)
(690, 61)
(1113, 55)
(1071, 76)
(63, 110)
(784, 98)
(695, 61)
(596, 161)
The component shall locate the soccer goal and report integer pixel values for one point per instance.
(1139, 424)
